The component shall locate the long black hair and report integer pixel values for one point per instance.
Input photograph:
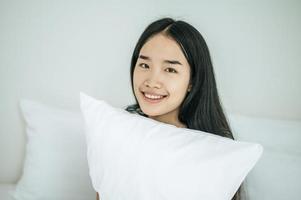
(201, 109)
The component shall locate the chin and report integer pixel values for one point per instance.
(151, 112)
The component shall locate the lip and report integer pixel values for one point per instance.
(152, 93)
(153, 101)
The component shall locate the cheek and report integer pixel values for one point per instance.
(137, 79)
(178, 87)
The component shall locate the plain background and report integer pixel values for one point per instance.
(51, 50)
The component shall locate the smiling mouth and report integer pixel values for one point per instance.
(153, 98)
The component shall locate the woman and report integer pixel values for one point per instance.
(173, 80)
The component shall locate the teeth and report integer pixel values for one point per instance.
(152, 96)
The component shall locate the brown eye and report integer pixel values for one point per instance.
(172, 70)
(143, 65)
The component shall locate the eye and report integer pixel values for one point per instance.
(143, 65)
(172, 70)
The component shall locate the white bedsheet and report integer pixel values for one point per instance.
(5, 190)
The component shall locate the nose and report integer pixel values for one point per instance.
(153, 81)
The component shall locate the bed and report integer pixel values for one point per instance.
(5, 191)
(55, 165)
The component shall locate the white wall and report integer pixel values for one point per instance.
(51, 50)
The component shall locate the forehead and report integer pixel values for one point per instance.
(162, 47)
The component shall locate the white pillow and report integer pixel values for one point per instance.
(55, 166)
(132, 157)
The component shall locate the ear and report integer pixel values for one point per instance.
(189, 87)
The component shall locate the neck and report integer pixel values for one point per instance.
(169, 118)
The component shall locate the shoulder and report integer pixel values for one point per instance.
(135, 109)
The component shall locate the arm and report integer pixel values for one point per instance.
(97, 196)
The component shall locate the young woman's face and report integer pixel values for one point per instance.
(161, 77)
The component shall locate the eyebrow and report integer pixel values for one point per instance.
(165, 61)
